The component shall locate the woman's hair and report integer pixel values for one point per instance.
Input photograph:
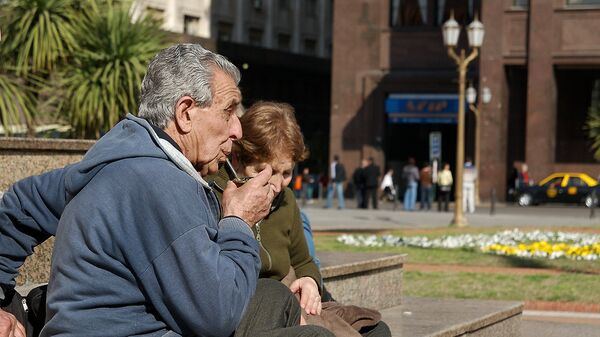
(269, 130)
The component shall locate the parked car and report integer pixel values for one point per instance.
(561, 187)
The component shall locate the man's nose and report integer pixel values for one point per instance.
(235, 128)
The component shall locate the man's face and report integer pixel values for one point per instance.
(215, 126)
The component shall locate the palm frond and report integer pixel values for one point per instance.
(102, 80)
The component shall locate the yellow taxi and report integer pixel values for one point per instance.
(561, 187)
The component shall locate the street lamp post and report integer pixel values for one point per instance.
(486, 97)
(451, 32)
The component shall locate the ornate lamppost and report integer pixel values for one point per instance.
(451, 32)
(486, 97)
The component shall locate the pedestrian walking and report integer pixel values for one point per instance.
(425, 177)
(336, 184)
(445, 184)
(307, 186)
(388, 191)
(469, 177)
(358, 178)
(372, 173)
(410, 175)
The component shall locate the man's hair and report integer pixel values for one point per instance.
(270, 129)
(336, 157)
(181, 70)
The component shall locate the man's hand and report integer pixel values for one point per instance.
(9, 326)
(307, 289)
(252, 201)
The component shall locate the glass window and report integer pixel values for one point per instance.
(191, 25)
(431, 12)
(583, 2)
(310, 46)
(257, 4)
(224, 31)
(283, 5)
(255, 36)
(284, 41)
(409, 12)
(576, 181)
(521, 3)
(310, 8)
(554, 182)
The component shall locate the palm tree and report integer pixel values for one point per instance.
(102, 79)
(37, 35)
(16, 99)
(39, 32)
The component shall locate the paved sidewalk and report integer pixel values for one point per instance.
(386, 217)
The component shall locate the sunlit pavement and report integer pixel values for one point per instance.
(386, 217)
(560, 324)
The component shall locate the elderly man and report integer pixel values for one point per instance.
(140, 249)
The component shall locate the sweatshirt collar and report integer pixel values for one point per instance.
(163, 135)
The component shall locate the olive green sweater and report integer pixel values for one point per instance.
(280, 235)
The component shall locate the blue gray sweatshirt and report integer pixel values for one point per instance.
(139, 248)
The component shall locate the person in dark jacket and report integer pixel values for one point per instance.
(143, 246)
(372, 173)
(358, 178)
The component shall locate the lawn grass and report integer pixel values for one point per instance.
(558, 288)
(579, 282)
(465, 257)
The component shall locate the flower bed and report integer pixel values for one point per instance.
(551, 245)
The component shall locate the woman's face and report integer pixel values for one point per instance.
(282, 171)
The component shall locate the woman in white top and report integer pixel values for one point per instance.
(387, 186)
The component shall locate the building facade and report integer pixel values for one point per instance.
(282, 48)
(541, 60)
(394, 88)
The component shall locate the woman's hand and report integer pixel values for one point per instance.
(307, 289)
(9, 326)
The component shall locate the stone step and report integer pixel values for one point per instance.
(373, 280)
(429, 317)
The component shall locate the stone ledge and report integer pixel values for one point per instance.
(339, 264)
(429, 317)
(372, 280)
(43, 144)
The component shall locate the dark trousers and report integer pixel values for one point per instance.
(370, 194)
(445, 197)
(275, 312)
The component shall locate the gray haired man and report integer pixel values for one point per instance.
(140, 249)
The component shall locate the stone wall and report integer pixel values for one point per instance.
(23, 157)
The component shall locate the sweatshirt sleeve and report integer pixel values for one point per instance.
(29, 214)
(303, 264)
(206, 284)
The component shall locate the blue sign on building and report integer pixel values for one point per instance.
(419, 108)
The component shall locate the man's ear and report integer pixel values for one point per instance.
(183, 114)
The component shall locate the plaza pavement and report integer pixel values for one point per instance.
(386, 218)
(390, 216)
